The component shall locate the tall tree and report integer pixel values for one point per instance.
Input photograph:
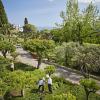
(41, 47)
(29, 31)
(3, 16)
(70, 19)
(90, 23)
(78, 26)
(25, 21)
(5, 27)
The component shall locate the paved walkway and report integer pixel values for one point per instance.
(26, 58)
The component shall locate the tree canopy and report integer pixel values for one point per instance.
(40, 47)
(6, 46)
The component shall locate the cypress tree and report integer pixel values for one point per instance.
(3, 16)
(25, 21)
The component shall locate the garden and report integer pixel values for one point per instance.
(73, 45)
(26, 78)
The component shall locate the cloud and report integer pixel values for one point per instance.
(88, 1)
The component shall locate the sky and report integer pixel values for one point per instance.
(42, 13)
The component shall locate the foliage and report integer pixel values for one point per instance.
(80, 26)
(74, 55)
(50, 70)
(6, 46)
(21, 80)
(45, 34)
(3, 64)
(29, 28)
(65, 52)
(28, 79)
(68, 96)
(3, 17)
(40, 47)
(14, 55)
(90, 86)
(29, 31)
(88, 58)
(6, 31)
(57, 35)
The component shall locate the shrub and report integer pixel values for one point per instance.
(50, 70)
(4, 62)
(90, 86)
(67, 96)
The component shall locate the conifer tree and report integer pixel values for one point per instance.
(25, 21)
(3, 16)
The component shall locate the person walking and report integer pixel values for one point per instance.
(41, 84)
(49, 83)
(12, 66)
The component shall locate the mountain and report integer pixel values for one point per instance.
(42, 28)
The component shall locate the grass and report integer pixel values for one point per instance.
(58, 88)
(60, 85)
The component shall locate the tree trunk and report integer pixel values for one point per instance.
(39, 62)
(66, 59)
(87, 93)
(22, 92)
(4, 53)
(81, 41)
(84, 71)
(87, 96)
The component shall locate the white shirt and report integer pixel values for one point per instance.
(41, 82)
(50, 81)
(12, 65)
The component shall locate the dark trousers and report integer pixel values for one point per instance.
(12, 69)
(50, 88)
(39, 88)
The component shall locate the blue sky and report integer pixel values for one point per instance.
(42, 13)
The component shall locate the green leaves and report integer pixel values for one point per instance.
(29, 31)
(6, 46)
(14, 55)
(41, 47)
(90, 86)
(80, 26)
(50, 70)
(3, 64)
(20, 80)
(72, 54)
(88, 83)
(3, 17)
(67, 96)
(89, 57)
